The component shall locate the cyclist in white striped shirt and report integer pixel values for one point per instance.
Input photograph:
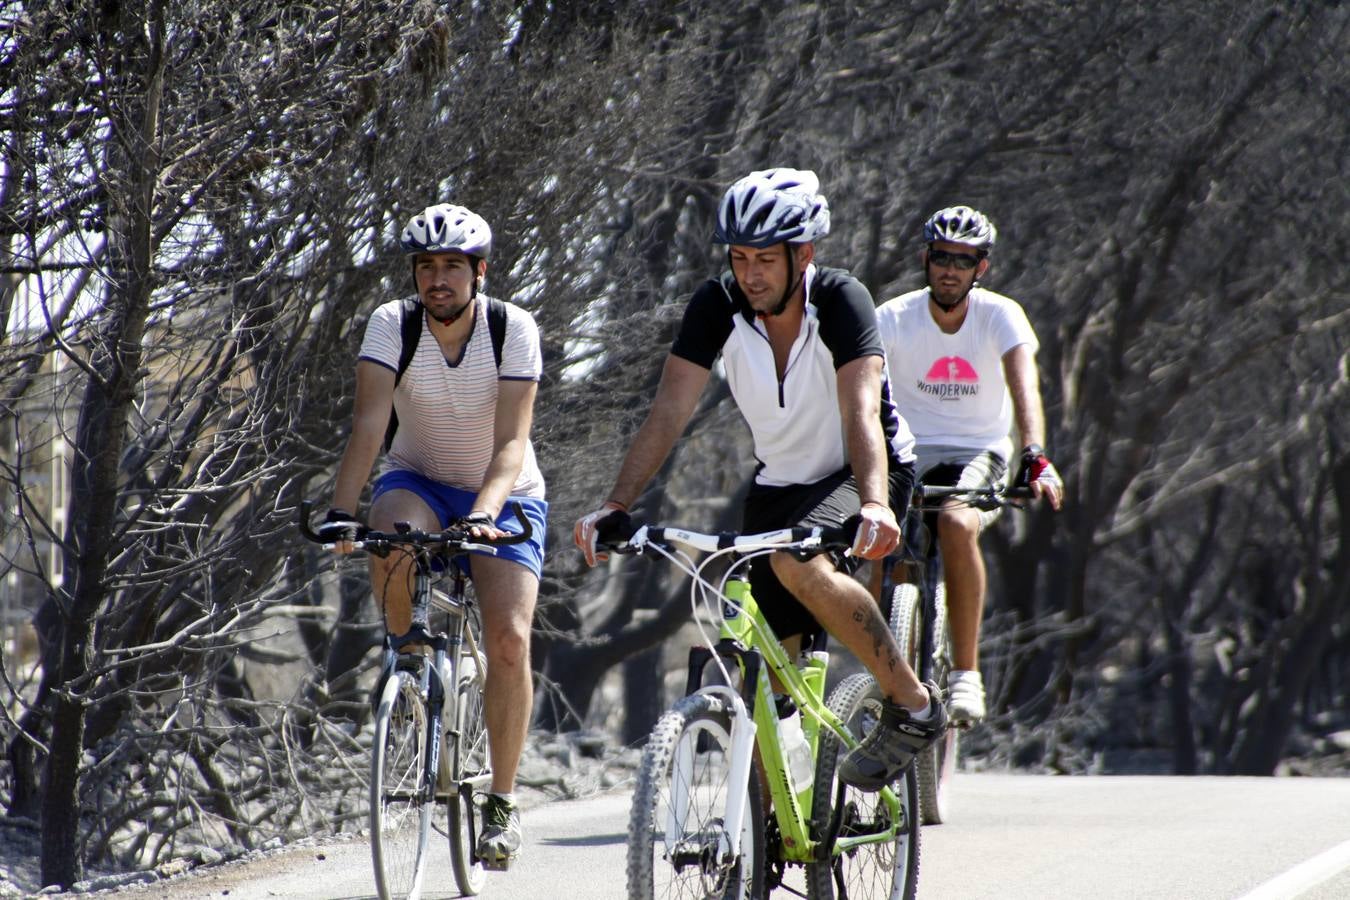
(461, 451)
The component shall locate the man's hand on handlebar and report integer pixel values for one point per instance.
(481, 527)
(608, 524)
(878, 532)
(341, 529)
(1039, 474)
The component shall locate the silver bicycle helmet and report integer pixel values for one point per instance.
(773, 206)
(961, 225)
(445, 227)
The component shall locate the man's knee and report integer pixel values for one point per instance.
(961, 525)
(508, 648)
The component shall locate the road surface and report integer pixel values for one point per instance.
(1012, 837)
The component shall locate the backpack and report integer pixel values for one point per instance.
(411, 335)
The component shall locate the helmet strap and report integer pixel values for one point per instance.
(792, 285)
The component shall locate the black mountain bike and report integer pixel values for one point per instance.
(429, 765)
(916, 598)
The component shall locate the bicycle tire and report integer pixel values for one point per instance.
(885, 870)
(936, 765)
(467, 750)
(687, 755)
(400, 804)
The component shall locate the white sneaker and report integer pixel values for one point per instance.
(965, 697)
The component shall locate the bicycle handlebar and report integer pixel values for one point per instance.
(457, 537)
(980, 497)
(811, 541)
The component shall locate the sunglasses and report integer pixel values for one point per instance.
(943, 259)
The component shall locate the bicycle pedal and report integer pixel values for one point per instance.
(497, 863)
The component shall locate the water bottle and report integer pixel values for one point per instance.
(796, 751)
(812, 664)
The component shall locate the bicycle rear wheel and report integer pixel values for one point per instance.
(884, 870)
(936, 765)
(400, 804)
(470, 766)
(677, 826)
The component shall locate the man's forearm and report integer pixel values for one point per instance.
(649, 450)
(867, 458)
(501, 476)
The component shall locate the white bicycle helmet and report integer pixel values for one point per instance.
(445, 227)
(961, 225)
(773, 206)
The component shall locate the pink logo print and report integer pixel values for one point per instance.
(952, 368)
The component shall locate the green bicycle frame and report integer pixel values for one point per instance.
(806, 687)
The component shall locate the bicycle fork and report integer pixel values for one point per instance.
(738, 773)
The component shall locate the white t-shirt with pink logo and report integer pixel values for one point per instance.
(950, 387)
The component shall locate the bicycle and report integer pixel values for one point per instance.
(422, 774)
(918, 619)
(697, 826)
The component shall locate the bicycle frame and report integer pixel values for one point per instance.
(746, 638)
(456, 606)
(919, 548)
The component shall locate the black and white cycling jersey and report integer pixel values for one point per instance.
(795, 422)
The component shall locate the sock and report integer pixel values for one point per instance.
(509, 798)
(922, 715)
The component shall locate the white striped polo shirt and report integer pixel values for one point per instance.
(446, 410)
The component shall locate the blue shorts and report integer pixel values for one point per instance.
(451, 503)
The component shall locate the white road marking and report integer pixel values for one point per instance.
(1304, 876)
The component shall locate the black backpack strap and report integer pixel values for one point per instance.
(496, 316)
(410, 318)
(410, 331)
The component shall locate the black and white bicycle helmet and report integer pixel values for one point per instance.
(773, 206)
(445, 227)
(961, 225)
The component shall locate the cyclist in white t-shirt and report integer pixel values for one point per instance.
(805, 365)
(962, 362)
(461, 451)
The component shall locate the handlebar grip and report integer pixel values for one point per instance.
(527, 529)
(306, 509)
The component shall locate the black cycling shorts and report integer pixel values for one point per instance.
(829, 501)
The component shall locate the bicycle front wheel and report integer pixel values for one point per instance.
(880, 870)
(400, 802)
(936, 765)
(470, 767)
(677, 834)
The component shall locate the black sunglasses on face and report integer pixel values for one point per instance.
(942, 258)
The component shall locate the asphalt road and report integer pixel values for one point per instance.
(1013, 837)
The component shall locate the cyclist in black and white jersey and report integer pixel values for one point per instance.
(805, 364)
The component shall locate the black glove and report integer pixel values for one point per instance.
(615, 528)
(340, 525)
(476, 520)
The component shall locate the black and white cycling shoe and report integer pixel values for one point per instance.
(893, 744)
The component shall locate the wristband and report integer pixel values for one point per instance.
(621, 507)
